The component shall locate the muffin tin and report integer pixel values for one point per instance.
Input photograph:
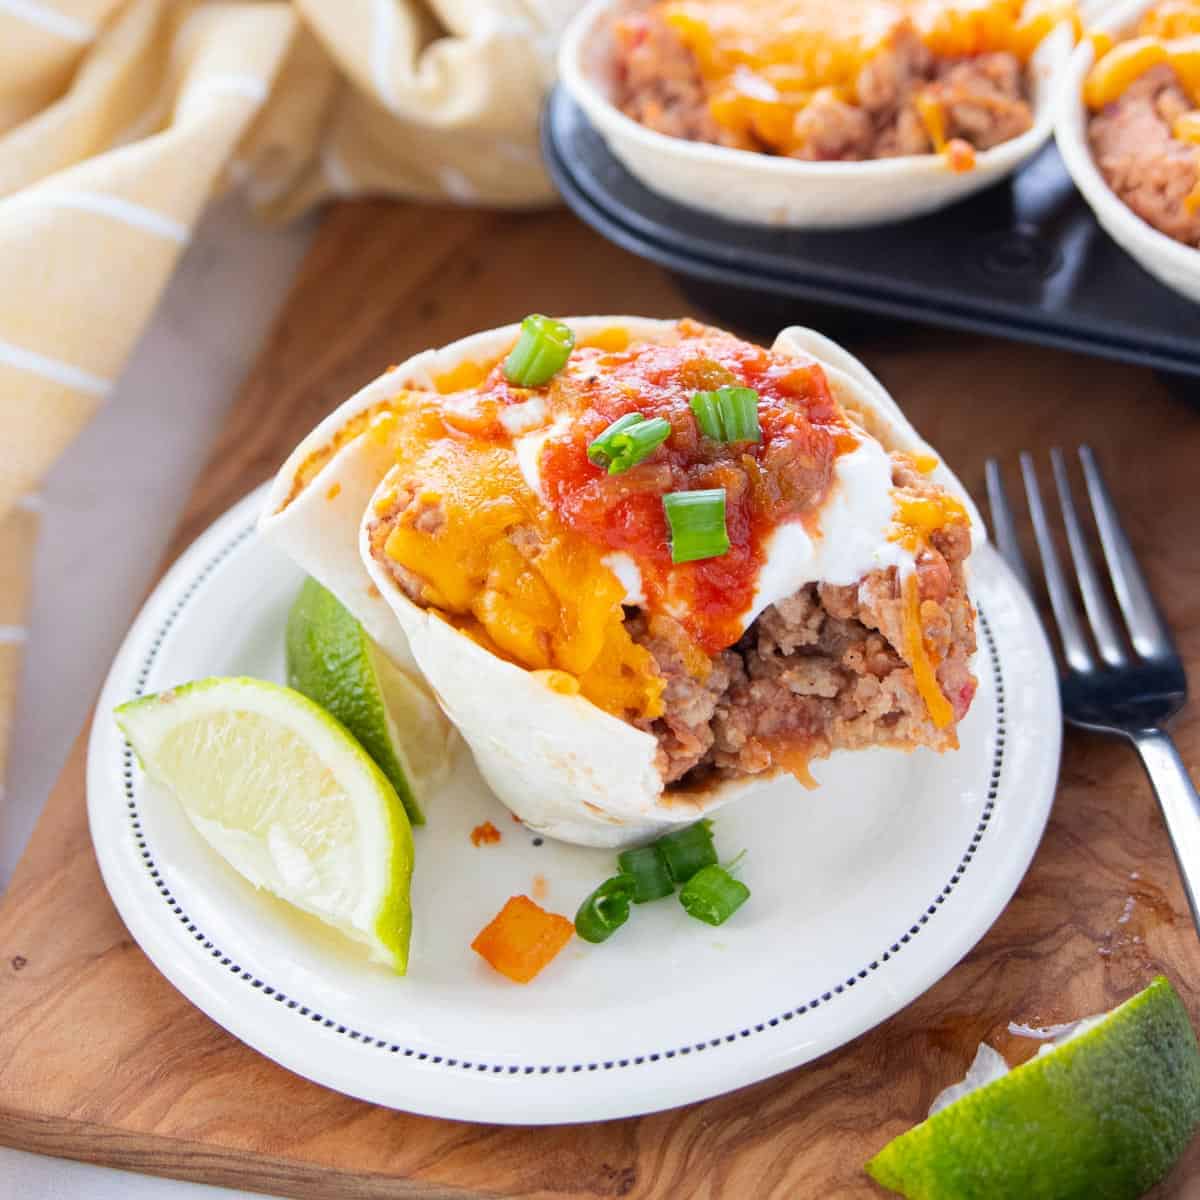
(1025, 259)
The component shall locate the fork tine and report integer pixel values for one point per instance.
(1147, 630)
(1095, 602)
(1004, 525)
(1075, 646)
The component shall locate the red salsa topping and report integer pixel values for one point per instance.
(784, 476)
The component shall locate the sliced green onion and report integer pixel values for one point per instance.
(541, 351)
(598, 450)
(730, 414)
(628, 441)
(712, 895)
(686, 851)
(697, 521)
(605, 910)
(648, 869)
(708, 415)
(741, 415)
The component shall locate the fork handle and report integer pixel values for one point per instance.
(1180, 804)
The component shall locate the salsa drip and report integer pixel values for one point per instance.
(785, 476)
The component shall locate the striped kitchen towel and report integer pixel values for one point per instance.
(119, 119)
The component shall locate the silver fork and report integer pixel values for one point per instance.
(1127, 682)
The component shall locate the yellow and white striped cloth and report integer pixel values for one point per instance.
(120, 118)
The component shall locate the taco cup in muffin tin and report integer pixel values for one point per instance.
(811, 115)
(1129, 133)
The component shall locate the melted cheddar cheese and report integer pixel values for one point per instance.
(764, 62)
(1168, 33)
(504, 570)
(467, 374)
(918, 517)
(1187, 127)
(1171, 19)
(924, 669)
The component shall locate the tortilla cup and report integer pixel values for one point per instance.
(552, 757)
(1170, 262)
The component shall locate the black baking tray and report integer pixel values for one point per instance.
(1024, 259)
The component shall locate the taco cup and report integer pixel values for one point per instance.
(608, 692)
(797, 114)
(1128, 132)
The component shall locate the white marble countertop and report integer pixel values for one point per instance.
(110, 506)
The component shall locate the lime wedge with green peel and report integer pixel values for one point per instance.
(1103, 1116)
(281, 791)
(331, 660)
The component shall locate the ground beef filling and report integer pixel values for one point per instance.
(984, 99)
(1151, 170)
(816, 672)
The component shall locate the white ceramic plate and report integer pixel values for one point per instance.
(1169, 261)
(770, 190)
(865, 892)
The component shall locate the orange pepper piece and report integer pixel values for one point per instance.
(522, 938)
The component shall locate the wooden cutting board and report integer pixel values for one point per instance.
(101, 1059)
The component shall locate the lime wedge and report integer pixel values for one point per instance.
(331, 660)
(281, 791)
(1102, 1116)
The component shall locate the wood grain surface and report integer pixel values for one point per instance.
(101, 1059)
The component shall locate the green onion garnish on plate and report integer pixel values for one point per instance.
(712, 895)
(605, 910)
(628, 441)
(729, 414)
(697, 521)
(648, 869)
(688, 850)
(685, 856)
(541, 351)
